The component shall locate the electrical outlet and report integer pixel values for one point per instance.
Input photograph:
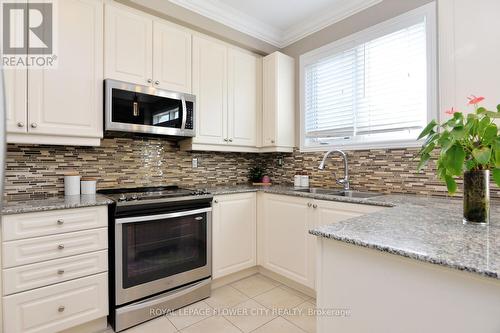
(195, 163)
(280, 161)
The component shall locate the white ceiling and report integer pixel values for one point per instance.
(278, 22)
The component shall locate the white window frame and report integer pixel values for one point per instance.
(376, 31)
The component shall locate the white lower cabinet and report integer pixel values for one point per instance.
(284, 243)
(57, 307)
(234, 233)
(54, 273)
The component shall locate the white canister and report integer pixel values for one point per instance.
(296, 180)
(88, 185)
(304, 181)
(71, 183)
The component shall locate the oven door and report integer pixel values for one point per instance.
(141, 109)
(157, 253)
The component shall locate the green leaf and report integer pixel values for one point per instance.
(454, 160)
(492, 114)
(458, 132)
(427, 149)
(490, 133)
(485, 122)
(496, 176)
(451, 184)
(482, 155)
(470, 164)
(428, 129)
(481, 110)
(424, 159)
(498, 107)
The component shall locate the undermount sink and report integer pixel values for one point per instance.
(349, 194)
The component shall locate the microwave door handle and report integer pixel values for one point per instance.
(150, 218)
(184, 113)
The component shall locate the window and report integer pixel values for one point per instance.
(374, 89)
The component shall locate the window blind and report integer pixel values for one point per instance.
(370, 90)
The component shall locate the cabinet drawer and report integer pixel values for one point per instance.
(28, 251)
(37, 224)
(42, 274)
(58, 307)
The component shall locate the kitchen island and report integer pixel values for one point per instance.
(410, 268)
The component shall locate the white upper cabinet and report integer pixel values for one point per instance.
(67, 101)
(129, 45)
(171, 57)
(145, 50)
(244, 106)
(234, 233)
(62, 105)
(16, 90)
(278, 128)
(469, 50)
(210, 89)
(227, 85)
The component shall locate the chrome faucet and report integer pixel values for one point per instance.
(344, 182)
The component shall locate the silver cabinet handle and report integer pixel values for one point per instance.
(60, 246)
(34, 125)
(60, 221)
(20, 124)
(157, 83)
(150, 81)
(61, 308)
(60, 271)
(198, 218)
(309, 204)
(315, 206)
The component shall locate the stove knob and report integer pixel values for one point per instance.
(122, 198)
(134, 197)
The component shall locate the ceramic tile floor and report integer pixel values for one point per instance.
(254, 304)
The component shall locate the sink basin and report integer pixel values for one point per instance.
(349, 194)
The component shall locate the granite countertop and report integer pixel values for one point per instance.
(428, 229)
(53, 203)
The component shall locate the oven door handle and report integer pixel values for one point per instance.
(162, 216)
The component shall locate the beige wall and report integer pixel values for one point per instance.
(177, 14)
(360, 21)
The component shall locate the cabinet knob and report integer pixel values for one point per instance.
(20, 124)
(61, 308)
(60, 246)
(230, 140)
(34, 125)
(60, 221)
(60, 271)
(309, 204)
(157, 83)
(150, 81)
(272, 141)
(216, 201)
(226, 140)
(315, 206)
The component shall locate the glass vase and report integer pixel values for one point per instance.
(477, 197)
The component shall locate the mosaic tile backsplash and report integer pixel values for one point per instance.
(35, 171)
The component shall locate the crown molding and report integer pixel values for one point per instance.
(231, 17)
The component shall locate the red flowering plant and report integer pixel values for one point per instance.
(466, 143)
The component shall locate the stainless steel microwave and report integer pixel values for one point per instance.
(140, 109)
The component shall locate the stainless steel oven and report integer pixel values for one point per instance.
(161, 256)
(159, 252)
(141, 109)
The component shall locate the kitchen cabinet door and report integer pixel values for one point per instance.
(284, 244)
(16, 103)
(234, 233)
(129, 45)
(67, 100)
(171, 57)
(278, 103)
(244, 97)
(210, 88)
